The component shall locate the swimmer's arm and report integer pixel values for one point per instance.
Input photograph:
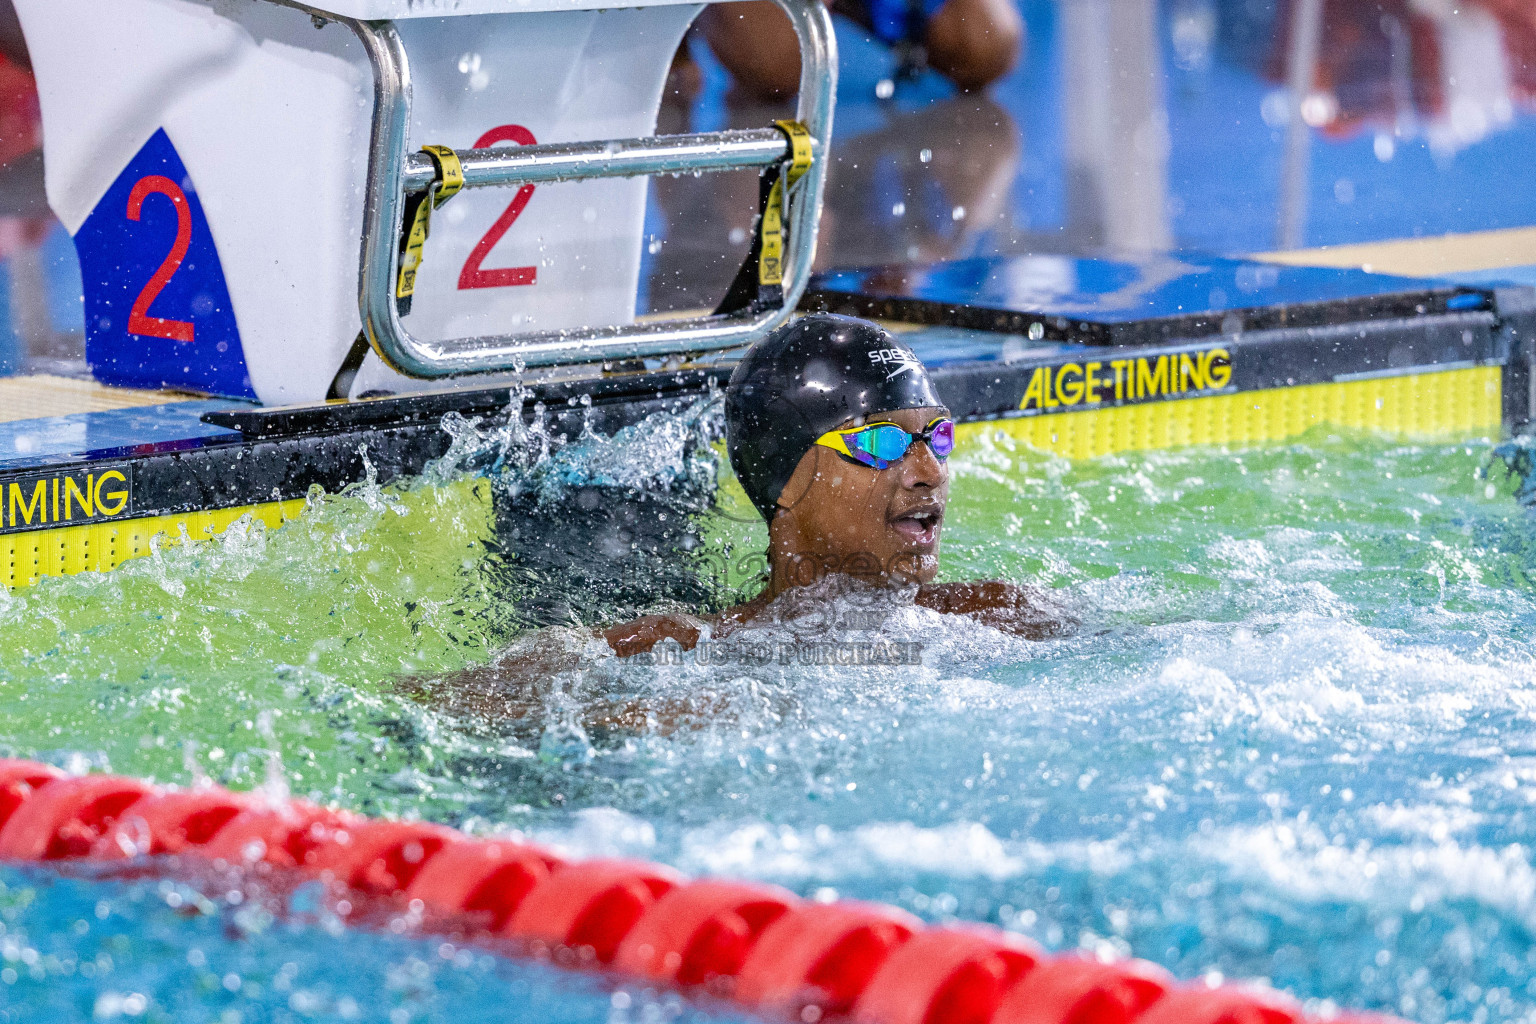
(1008, 607)
(516, 684)
(519, 689)
(644, 633)
(641, 635)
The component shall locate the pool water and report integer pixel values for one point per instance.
(1294, 740)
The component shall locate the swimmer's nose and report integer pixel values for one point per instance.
(921, 469)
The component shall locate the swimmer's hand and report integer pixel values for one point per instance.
(638, 637)
(1007, 607)
(546, 676)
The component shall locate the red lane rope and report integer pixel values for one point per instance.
(759, 945)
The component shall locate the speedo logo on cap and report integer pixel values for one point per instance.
(895, 360)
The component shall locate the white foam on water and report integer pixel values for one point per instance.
(1436, 822)
(1306, 865)
(1248, 554)
(882, 850)
(1306, 553)
(1303, 676)
(600, 832)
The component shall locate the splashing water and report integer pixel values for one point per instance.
(1290, 742)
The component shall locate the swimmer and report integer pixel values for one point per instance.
(842, 444)
(973, 43)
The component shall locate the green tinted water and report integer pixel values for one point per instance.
(282, 647)
(1291, 741)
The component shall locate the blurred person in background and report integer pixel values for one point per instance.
(973, 43)
(1449, 71)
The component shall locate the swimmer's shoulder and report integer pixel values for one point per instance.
(1030, 612)
(1024, 611)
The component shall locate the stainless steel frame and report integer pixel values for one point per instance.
(393, 173)
(619, 158)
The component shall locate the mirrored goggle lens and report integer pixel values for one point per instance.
(943, 438)
(886, 443)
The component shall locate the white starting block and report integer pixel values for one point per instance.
(238, 176)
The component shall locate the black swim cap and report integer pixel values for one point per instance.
(804, 379)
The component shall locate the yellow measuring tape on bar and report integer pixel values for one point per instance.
(770, 264)
(418, 219)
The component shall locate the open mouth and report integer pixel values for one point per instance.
(919, 527)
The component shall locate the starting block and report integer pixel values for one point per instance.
(245, 184)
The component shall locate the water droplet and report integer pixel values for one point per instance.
(1319, 109)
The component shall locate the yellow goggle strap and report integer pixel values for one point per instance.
(418, 220)
(837, 440)
(770, 265)
(759, 284)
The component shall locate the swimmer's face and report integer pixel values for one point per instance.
(839, 516)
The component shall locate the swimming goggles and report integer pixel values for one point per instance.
(880, 444)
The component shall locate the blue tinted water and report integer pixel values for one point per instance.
(73, 948)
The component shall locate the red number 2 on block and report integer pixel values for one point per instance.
(472, 275)
(139, 320)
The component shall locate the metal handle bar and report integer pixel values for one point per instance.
(388, 162)
(620, 158)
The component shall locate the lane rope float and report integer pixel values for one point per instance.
(757, 944)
